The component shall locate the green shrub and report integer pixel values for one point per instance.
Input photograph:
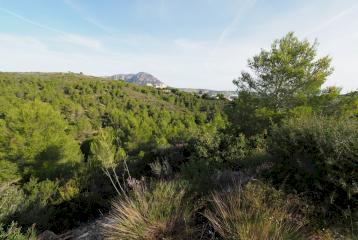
(205, 146)
(40, 195)
(8, 171)
(13, 232)
(35, 138)
(11, 200)
(318, 156)
(198, 176)
(221, 150)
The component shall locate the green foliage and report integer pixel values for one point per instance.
(198, 176)
(12, 198)
(332, 103)
(205, 147)
(249, 115)
(223, 150)
(103, 151)
(318, 156)
(8, 171)
(47, 120)
(34, 202)
(40, 195)
(287, 81)
(286, 74)
(69, 190)
(234, 149)
(139, 120)
(13, 232)
(35, 139)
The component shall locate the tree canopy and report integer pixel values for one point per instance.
(286, 73)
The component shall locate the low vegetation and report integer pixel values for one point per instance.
(14, 232)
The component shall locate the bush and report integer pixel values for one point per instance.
(11, 199)
(318, 156)
(254, 212)
(221, 150)
(35, 137)
(157, 213)
(8, 172)
(198, 175)
(37, 207)
(13, 232)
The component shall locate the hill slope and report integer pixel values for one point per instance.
(57, 131)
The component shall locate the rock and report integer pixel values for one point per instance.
(141, 78)
(90, 231)
(48, 235)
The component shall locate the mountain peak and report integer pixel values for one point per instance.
(140, 78)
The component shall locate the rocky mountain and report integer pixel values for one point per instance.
(141, 78)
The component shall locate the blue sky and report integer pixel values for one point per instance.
(185, 43)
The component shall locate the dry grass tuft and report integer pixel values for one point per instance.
(255, 212)
(158, 213)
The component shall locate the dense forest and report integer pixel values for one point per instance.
(278, 162)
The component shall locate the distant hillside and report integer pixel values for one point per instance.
(146, 79)
(212, 93)
(141, 78)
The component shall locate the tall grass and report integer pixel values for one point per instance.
(255, 212)
(156, 213)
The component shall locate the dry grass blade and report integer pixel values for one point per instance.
(158, 213)
(248, 214)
